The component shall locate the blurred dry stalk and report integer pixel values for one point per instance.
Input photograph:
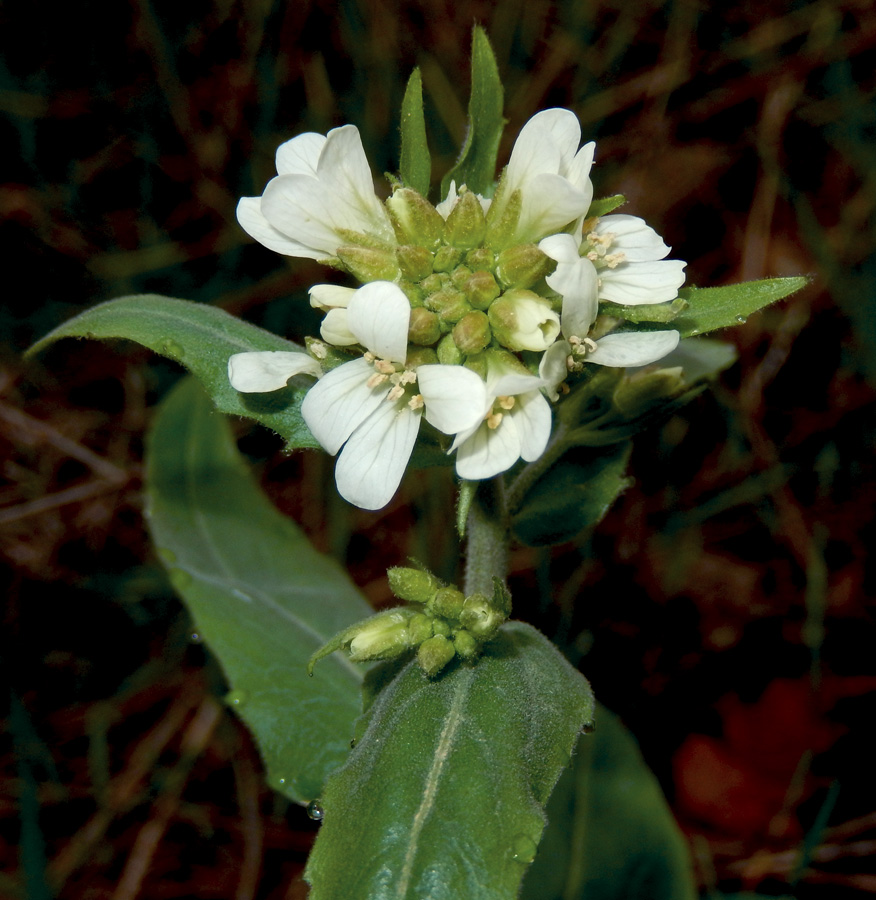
(744, 134)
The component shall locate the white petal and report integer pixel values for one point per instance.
(339, 402)
(374, 459)
(334, 329)
(489, 451)
(576, 281)
(379, 314)
(552, 369)
(549, 203)
(532, 416)
(302, 208)
(633, 237)
(330, 296)
(300, 156)
(512, 383)
(579, 170)
(446, 205)
(455, 397)
(634, 348)
(268, 370)
(249, 214)
(635, 283)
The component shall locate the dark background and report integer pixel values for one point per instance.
(725, 606)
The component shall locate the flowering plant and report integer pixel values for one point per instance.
(516, 329)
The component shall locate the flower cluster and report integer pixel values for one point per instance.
(472, 313)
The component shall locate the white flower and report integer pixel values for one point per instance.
(630, 256)
(322, 197)
(552, 175)
(370, 409)
(515, 423)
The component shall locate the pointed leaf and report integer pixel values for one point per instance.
(476, 166)
(610, 834)
(722, 307)
(604, 205)
(444, 794)
(262, 598)
(201, 338)
(415, 166)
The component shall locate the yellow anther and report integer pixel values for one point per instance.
(506, 402)
(494, 420)
(384, 366)
(396, 393)
(416, 402)
(376, 379)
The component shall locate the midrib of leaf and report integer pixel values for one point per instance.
(442, 752)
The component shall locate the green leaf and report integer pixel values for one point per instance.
(574, 494)
(722, 307)
(201, 338)
(415, 165)
(444, 794)
(476, 166)
(646, 312)
(611, 835)
(604, 205)
(262, 598)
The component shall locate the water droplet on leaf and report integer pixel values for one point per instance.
(172, 348)
(523, 849)
(195, 638)
(236, 698)
(742, 319)
(315, 810)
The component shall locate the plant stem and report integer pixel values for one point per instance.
(487, 548)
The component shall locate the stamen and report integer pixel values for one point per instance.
(369, 357)
(384, 366)
(506, 402)
(409, 376)
(613, 260)
(396, 393)
(416, 402)
(376, 379)
(494, 420)
(318, 349)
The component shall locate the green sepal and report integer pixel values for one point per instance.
(724, 307)
(604, 205)
(415, 165)
(467, 491)
(476, 165)
(201, 338)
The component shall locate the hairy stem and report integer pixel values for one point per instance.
(487, 531)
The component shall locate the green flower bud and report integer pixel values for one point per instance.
(414, 219)
(434, 283)
(472, 332)
(419, 629)
(481, 289)
(522, 266)
(521, 320)
(446, 259)
(434, 654)
(449, 304)
(447, 602)
(459, 276)
(440, 626)
(369, 263)
(424, 328)
(383, 636)
(466, 224)
(479, 617)
(477, 362)
(421, 356)
(503, 217)
(448, 353)
(413, 585)
(415, 261)
(465, 645)
(480, 258)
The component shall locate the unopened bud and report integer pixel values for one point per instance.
(421, 356)
(446, 259)
(434, 654)
(413, 585)
(382, 637)
(465, 645)
(419, 629)
(480, 258)
(481, 289)
(472, 332)
(369, 263)
(479, 617)
(503, 217)
(522, 266)
(424, 327)
(414, 219)
(459, 276)
(448, 602)
(466, 224)
(521, 320)
(415, 261)
(448, 353)
(449, 304)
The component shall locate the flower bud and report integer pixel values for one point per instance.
(383, 636)
(424, 327)
(481, 289)
(448, 353)
(449, 304)
(522, 266)
(414, 219)
(440, 626)
(415, 261)
(448, 602)
(421, 356)
(419, 629)
(446, 259)
(521, 320)
(472, 332)
(465, 645)
(479, 617)
(466, 225)
(434, 654)
(369, 263)
(459, 276)
(480, 258)
(330, 296)
(503, 217)
(413, 585)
